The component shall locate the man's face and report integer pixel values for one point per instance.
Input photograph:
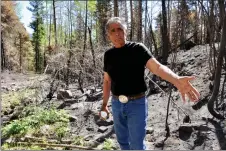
(117, 34)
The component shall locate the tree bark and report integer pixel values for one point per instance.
(132, 22)
(3, 63)
(92, 50)
(165, 37)
(80, 79)
(217, 77)
(222, 13)
(183, 21)
(20, 49)
(54, 19)
(145, 22)
(139, 31)
(116, 8)
(50, 17)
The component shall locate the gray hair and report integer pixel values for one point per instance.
(115, 20)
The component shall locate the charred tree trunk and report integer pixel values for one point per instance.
(196, 25)
(80, 79)
(145, 22)
(91, 45)
(222, 13)
(3, 63)
(165, 38)
(116, 8)
(67, 79)
(132, 22)
(139, 31)
(20, 49)
(217, 77)
(50, 29)
(54, 19)
(183, 22)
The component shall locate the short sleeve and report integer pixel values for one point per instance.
(146, 53)
(105, 62)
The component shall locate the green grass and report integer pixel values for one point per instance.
(79, 140)
(7, 146)
(108, 144)
(13, 99)
(33, 118)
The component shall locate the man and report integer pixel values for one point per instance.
(124, 66)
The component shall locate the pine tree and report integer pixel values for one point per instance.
(39, 32)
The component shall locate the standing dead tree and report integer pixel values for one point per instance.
(217, 77)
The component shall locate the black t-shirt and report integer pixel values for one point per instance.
(126, 67)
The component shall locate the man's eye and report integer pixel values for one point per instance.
(112, 30)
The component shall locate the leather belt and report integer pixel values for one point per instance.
(132, 97)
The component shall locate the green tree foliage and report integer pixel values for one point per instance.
(39, 33)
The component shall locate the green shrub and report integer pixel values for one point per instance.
(34, 118)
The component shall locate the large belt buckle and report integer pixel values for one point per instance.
(123, 99)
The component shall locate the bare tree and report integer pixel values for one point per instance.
(139, 31)
(80, 79)
(116, 8)
(54, 20)
(217, 77)
(132, 22)
(165, 37)
(91, 45)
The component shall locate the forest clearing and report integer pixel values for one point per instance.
(52, 79)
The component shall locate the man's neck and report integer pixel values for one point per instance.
(120, 45)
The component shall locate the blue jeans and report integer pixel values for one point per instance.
(130, 123)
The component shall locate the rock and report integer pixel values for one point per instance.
(5, 119)
(88, 137)
(185, 132)
(197, 55)
(73, 118)
(77, 106)
(98, 90)
(189, 44)
(163, 84)
(64, 94)
(102, 129)
(90, 129)
(5, 88)
(107, 122)
(159, 144)
(149, 130)
(83, 99)
(150, 138)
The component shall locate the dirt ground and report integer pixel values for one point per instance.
(203, 132)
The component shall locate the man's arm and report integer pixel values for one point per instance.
(162, 71)
(182, 83)
(106, 89)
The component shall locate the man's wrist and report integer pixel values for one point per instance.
(176, 81)
(104, 104)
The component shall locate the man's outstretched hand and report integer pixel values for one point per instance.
(186, 88)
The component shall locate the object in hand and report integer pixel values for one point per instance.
(103, 114)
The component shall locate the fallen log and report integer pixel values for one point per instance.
(56, 145)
